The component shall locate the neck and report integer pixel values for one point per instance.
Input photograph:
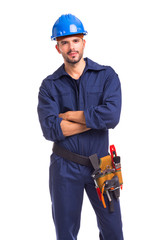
(75, 70)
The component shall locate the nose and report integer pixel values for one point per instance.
(72, 47)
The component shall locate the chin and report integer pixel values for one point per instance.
(74, 60)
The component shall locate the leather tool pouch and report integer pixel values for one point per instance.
(107, 176)
(108, 172)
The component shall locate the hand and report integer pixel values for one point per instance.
(64, 116)
(71, 128)
(73, 116)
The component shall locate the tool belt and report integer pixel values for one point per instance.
(107, 172)
(74, 157)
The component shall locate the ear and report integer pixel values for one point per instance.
(84, 43)
(57, 47)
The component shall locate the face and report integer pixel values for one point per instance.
(71, 48)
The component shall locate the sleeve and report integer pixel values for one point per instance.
(48, 115)
(107, 115)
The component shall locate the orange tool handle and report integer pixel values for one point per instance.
(102, 197)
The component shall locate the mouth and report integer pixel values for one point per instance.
(72, 54)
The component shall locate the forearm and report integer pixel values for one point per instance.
(74, 116)
(70, 128)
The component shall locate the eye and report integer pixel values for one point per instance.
(64, 42)
(76, 40)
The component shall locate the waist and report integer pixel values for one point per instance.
(87, 143)
(66, 154)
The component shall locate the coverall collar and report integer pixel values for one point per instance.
(90, 65)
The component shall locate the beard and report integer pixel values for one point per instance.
(74, 59)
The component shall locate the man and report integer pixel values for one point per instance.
(78, 103)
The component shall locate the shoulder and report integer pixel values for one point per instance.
(50, 79)
(99, 67)
(57, 74)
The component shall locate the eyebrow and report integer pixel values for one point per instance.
(65, 41)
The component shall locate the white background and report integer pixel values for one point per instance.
(121, 33)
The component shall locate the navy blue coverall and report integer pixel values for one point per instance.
(98, 94)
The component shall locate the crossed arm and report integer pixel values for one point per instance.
(73, 123)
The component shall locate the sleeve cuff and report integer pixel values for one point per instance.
(60, 135)
(86, 115)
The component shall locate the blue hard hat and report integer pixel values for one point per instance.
(67, 25)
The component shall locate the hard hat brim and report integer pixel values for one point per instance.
(63, 35)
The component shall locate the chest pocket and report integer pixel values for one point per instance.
(94, 96)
